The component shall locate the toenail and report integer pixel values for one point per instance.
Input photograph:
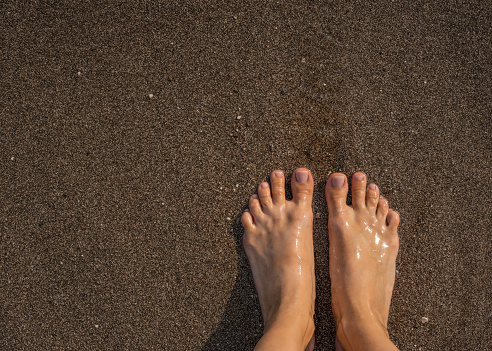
(359, 177)
(302, 176)
(372, 186)
(254, 196)
(337, 181)
(278, 174)
(263, 185)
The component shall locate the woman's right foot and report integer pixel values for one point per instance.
(363, 248)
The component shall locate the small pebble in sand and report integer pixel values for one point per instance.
(317, 215)
(97, 325)
(237, 185)
(151, 96)
(79, 73)
(238, 117)
(425, 320)
(228, 218)
(12, 158)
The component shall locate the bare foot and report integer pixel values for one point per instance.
(363, 249)
(278, 241)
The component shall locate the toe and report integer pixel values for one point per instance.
(255, 208)
(247, 221)
(372, 197)
(277, 180)
(265, 196)
(393, 219)
(336, 192)
(382, 210)
(302, 186)
(249, 240)
(358, 190)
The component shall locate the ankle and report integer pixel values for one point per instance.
(298, 328)
(359, 331)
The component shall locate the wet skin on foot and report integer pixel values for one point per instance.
(278, 241)
(363, 248)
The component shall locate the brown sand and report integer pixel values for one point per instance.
(119, 211)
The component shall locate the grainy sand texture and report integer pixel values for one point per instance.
(133, 133)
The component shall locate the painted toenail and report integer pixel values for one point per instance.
(263, 185)
(359, 177)
(278, 174)
(302, 176)
(254, 196)
(337, 181)
(372, 186)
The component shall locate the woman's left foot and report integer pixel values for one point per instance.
(278, 241)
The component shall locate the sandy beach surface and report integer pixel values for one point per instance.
(133, 133)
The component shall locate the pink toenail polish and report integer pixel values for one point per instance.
(254, 196)
(337, 181)
(302, 176)
(372, 186)
(278, 174)
(263, 185)
(359, 177)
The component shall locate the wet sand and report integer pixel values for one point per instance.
(132, 135)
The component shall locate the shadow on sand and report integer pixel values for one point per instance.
(241, 325)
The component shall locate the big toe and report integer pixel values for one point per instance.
(336, 191)
(302, 184)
